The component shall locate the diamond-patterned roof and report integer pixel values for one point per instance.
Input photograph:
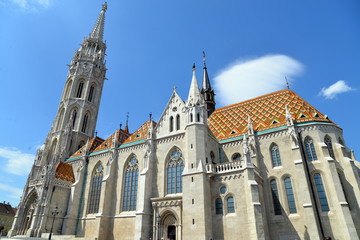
(93, 144)
(266, 112)
(65, 172)
(122, 136)
(141, 132)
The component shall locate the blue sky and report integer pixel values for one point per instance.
(151, 45)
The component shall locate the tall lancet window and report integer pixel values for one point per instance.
(174, 170)
(290, 195)
(178, 122)
(83, 128)
(275, 155)
(79, 90)
(329, 146)
(74, 114)
(321, 193)
(95, 191)
(275, 197)
(171, 124)
(91, 93)
(130, 185)
(310, 149)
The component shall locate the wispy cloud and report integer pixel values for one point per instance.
(11, 192)
(332, 91)
(28, 5)
(245, 79)
(17, 162)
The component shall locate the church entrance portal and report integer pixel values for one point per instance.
(172, 232)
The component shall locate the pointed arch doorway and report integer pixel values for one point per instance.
(169, 226)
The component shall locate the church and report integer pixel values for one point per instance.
(269, 168)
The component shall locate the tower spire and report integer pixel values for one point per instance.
(98, 30)
(207, 91)
(194, 92)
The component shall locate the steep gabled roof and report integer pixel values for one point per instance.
(141, 133)
(267, 112)
(121, 137)
(93, 144)
(65, 172)
(7, 210)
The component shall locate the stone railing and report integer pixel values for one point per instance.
(224, 167)
(36, 182)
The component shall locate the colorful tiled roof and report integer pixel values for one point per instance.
(140, 133)
(65, 172)
(93, 144)
(266, 112)
(122, 135)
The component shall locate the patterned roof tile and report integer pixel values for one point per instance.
(141, 132)
(65, 172)
(122, 136)
(93, 144)
(263, 110)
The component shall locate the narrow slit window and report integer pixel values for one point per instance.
(321, 193)
(80, 88)
(275, 197)
(91, 93)
(218, 206)
(84, 125)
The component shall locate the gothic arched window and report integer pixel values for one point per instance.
(310, 149)
(218, 206)
(171, 124)
(131, 185)
(83, 128)
(321, 193)
(79, 90)
(236, 157)
(290, 195)
(174, 170)
(74, 113)
(198, 117)
(178, 122)
(328, 143)
(275, 155)
(67, 90)
(91, 93)
(191, 117)
(60, 119)
(95, 191)
(230, 205)
(275, 197)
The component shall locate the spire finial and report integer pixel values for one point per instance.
(287, 83)
(96, 132)
(104, 6)
(126, 129)
(120, 125)
(174, 87)
(150, 115)
(98, 30)
(204, 59)
(194, 68)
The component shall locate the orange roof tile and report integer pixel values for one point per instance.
(141, 132)
(65, 172)
(93, 144)
(266, 112)
(122, 136)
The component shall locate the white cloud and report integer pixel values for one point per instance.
(12, 192)
(245, 79)
(31, 5)
(17, 162)
(332, 91)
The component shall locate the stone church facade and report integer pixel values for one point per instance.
(273, 167)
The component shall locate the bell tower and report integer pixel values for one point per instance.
(74, 124)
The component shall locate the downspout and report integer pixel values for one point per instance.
(81, 195)
(308, 178)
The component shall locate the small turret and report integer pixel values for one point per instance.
(207, 91)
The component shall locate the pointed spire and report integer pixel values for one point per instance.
(98, 30)
(126, 129)
(206, 82)
(194, 92)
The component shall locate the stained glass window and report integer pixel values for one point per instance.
(130, 185)
(290, 195)
(310, 149)
(275, 197)
(275, 155)
(95, 191)
(174, 171)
